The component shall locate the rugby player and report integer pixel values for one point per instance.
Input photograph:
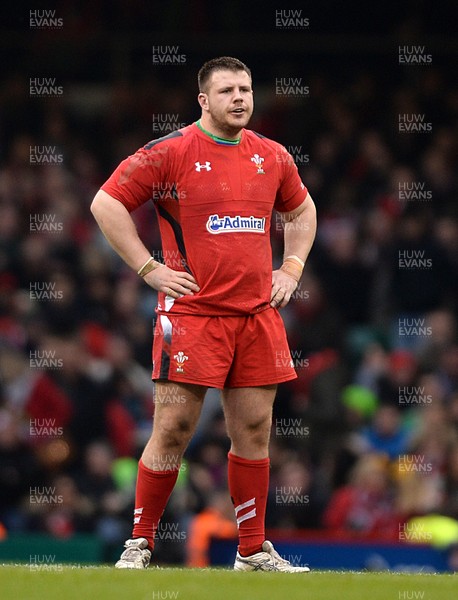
(218, 306)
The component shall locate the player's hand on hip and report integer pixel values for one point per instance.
(173, 283)
(283, 286)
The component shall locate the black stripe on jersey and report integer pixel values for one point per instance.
(178, 232)
(263, 137)
(165, 365)
(165, 354)
(174, 192)
(162, 139)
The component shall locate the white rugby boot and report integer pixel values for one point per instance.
(267, 560)
(135, 556)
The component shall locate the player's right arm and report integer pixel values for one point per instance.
(119, 229)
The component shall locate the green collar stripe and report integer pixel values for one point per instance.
(220, 140)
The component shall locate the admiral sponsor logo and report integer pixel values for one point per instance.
(227, 224)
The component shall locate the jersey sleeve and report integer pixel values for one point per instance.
(133, 181)
(291, 192)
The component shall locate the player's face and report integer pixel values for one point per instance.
(227, 105)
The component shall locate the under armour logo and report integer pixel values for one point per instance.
(205, 166)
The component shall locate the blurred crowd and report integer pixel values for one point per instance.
(367, 436)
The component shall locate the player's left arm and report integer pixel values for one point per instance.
(299, 233)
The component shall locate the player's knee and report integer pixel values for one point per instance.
(175, 434)
(258, 425)
(255, 432)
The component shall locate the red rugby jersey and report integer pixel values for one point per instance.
(214, 204)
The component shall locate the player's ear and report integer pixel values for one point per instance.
(203, 100)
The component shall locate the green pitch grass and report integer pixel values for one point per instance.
(107, 583)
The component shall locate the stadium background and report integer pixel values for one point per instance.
(366, 438)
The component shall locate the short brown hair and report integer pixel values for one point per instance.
(223, 63)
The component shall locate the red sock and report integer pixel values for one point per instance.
(248, 485)
(151, 496)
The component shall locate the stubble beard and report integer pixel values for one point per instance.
(227, 129)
